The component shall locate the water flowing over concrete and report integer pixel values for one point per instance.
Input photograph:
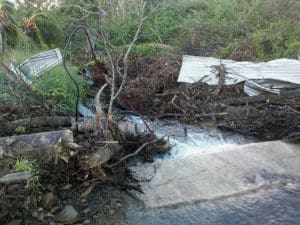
(233, 171)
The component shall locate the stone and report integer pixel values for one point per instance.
(67, 215)
(86, 222)
(27, 202)
(15, 222)
(86, 211)
(49, 200)
(54, 209)
(1, 152)
(67, 187)
(50, 188)
(38, 143)
(49, 215)
(112, 212)
(15, 177)
(41, 217)
(83, 201)
(35, 214)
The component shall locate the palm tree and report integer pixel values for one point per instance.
(8, 25)
(43, 29)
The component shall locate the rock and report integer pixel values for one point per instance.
(52, 223)
(27, 202)
(1, 152)
(67, 187)
(49, 200)
(40, 209)
(118, 204)
(49, 215)
(83, 201)
(86, 211)
(112, 212)
(15, 222)
(41, 217)
(86, 222)
(54, 209)
(67, 215)
(95, 217)
(38, 143)
(35, 214)
(50, 188)
(15, 177)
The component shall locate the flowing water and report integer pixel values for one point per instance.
(276, 205)
(190, 139)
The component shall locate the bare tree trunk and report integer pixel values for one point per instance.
(1, 43)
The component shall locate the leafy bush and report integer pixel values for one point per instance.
(148, 49)
(57, 85)
(279, 39)
(25, 165)
(6, 95)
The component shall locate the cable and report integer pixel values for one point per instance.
(72, 34)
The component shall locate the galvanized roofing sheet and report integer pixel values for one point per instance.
(202, 69)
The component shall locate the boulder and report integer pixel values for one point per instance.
(49, 200)
(39, 142)
(67, 215)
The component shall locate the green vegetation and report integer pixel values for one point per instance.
(259, 29)
(55, 84)
(239, 29)
(20, 130)
(256, 30)
(24, 165)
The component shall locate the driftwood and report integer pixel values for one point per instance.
(132, 154)
(222, 76)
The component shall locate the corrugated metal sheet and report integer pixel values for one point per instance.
(276, 74)
(38, 64)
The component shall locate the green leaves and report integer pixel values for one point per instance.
(56, 85)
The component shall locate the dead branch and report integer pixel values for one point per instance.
(132, 154)
(99, 113)
(175, 105)
(210, 115)
(125, 62)
(221, 74)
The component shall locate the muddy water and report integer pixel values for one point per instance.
(276, 205)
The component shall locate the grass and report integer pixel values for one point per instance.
(25, 165)
(55, 84)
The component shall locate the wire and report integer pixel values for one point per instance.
(72, 34)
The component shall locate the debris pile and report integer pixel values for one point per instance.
(208, 90)
(99, 153)
(148, 79)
